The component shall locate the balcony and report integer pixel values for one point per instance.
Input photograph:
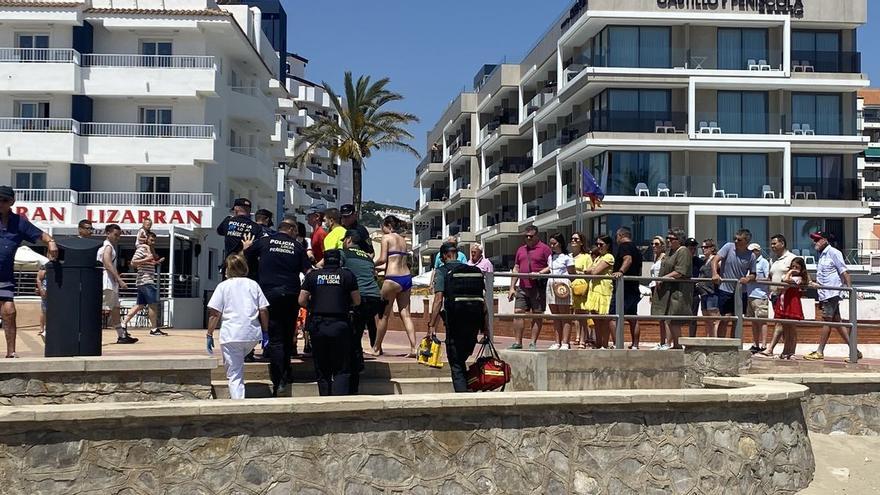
(39, 70)
(425, 236)
(104, 143)
(828, 62)
(149, 75)
(251, 165)
(459, 226)
(826, 189)
(693, 188)
(460, 183)
(537, 103)
(146, 199)
(507, 165)
(248, 103)
(43, 140)
(543, 204)
(792, 127)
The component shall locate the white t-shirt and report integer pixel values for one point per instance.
(559, 263)
(109, 282)
(239, 301)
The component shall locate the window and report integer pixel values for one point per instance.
(822, 177)
(803, 227)
(633, 46)
(743, 174)
(27, 179)
(821, 112)
(33, 47)
(630, 168)
(156, 53)
(157, 121)
(644, 227)
(727, 227)
(819, 49)
(742, 112)
(33, 115)
(739, 48)
(631, 110)
(154, 184)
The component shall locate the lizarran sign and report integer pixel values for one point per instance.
(794, 8)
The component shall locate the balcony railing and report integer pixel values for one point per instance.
(17, 124)
(507, 214)
(507, 165)
(774, 123)
(548, 146)
(188, 131)
(38, 55)
(826, 188)
(46, 195)
(818, 61)
(459, 226)
(245, 90)
(695, 186)
(537, 103)
(146, 199)
(428, 234)
(157, 61)
(250, 151)
(540, 205)
(871, 115)
(460, 183)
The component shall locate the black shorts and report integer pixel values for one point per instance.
(630, 303)
(726, 304)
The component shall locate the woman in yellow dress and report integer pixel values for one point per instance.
(599, 298)
(580, 288)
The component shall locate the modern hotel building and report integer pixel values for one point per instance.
(708, 115)
(120, 110)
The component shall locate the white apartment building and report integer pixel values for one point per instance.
(324, 182)
(712, 116)
(869, 169)
(117, 111)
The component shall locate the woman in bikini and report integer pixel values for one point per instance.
(397, 284)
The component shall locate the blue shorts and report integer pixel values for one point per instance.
(709, 302)
(726, 302)
(147, 294)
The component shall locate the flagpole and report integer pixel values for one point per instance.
(580, 197)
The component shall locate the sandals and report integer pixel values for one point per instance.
(766, 354)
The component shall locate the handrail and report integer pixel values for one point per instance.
(39, 55)
(148, 61)
(110, 129)
(738, 317)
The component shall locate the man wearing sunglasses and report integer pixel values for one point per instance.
(531, 295)
(13, 230)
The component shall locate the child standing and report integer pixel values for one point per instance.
(788, 305)
(146, 229)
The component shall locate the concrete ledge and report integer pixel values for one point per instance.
(741, 390)
(710, 342)
(106, 363)
(826, 378)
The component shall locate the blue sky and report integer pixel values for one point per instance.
(431, 51)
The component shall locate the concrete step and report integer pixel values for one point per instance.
(393, 386)
(304, 370)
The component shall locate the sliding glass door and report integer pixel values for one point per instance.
(727, 227)
(739, 48)
(818, 49)
(632, 110)
(635, 46)
(629, 169)
(742, 112)
(820, 112)
(743, 174)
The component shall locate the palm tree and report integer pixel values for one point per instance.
(363, 126)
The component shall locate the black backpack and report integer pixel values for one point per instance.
(464, 296)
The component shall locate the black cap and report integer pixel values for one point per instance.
(264, 213)
(244, 202)
(332, 257)
(7, 192)
(346, 210)
(691, 242)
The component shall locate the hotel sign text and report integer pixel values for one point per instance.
(794, 8)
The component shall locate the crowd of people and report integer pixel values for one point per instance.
(675, 300)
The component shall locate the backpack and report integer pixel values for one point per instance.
(464, 296)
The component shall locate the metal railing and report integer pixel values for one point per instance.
(189, 131)
(738, 319)
(22, 124)
(157, 61)
(39, 55)
(245, 90)
(46, 195)
(146, 199)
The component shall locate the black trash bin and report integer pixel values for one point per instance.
(73, 300)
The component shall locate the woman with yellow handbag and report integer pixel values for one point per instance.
(580, 287)
(599, 298)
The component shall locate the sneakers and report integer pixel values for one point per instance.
(814, 356)
(126, 340)
(755, 349)
(515, 346)
(554, 347)
(564, 347)
(660, 347)
(158, 332)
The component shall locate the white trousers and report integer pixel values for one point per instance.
(233, 358)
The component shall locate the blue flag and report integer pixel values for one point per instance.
(591, 189)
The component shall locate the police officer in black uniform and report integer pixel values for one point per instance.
(234, 227)
(349, 220)
(330, 293)
(281, 260)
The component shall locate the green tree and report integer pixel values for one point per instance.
(363, 126)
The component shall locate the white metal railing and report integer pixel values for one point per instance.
(192, 131)
(46, 195)
(39, 55)
(245, 90)
(157, 61)
(146, 199)
(19, 124)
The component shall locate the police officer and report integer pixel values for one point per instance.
(234, 227)
(264, 218)
(349, 220)
(462, 327)
(330, 293)
(361, 264)
(281, 260)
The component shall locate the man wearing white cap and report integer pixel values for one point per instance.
(758, 302)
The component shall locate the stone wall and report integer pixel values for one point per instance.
(104, 379)
(696, 441)
(840, 402)
(712, 357)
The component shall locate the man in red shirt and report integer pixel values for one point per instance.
(531, 296)
(316, 253)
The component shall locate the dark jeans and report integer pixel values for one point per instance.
(364, 317)
(283, 310)
(331, 340)
(695, 308)
(459, 346)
